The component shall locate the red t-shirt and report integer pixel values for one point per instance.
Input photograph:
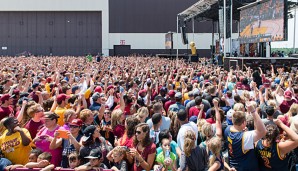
(194, 111)
(150, 149)
(168, 104)
(285, 105)
(34, 127)
(119, 130)
(5, 112)
(210, 120)
(126, 141)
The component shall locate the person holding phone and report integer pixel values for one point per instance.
(69, 140)
(45, 136)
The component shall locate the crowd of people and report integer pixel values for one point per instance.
(145, 113)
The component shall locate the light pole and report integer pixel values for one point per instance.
(225, 29)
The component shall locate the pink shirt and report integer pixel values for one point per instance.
(44, 145)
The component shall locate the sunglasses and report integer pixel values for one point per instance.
(138, 132)
(107, 113)
(73, 126)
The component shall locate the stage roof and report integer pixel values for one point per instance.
(208, 9)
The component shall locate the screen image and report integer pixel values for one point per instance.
(263, 22)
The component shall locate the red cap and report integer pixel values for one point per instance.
(62, 97)
(142, 91)
(5, 97)
(98, 89)
(239, 85)
(110, 87)
(171, 93)
(49, 79)
(288, 94)
(77, 122)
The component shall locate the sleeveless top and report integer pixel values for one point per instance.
(240, 159)
(270, 158)
(220, 160)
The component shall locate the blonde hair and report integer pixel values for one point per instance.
(293, 109)
(142, 112)
(239, 107)
(215, 147)
(33, 109)
(67, 114)
(115, 118)
(207, 130)
(189, 142)
(84, 114)
(200, 124)
(119, 150)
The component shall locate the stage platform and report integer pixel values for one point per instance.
(263, 62)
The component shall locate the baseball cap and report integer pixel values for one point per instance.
(34, 85)
(190, 94)
(5, 97)
(193, 119)
(51, 115)
(142, 91)
(88, 132)
(94, 154)
(171, 93)
(74, 89)
(76, 122)
(288, 94)
(277, 80)
(163, 89)
(196, 91)
(98, 89)
(178, 95)
(62, 97)
(110, 87)
(97, 95)
(229, 116)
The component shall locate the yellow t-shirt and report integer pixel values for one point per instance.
(48, 88)
(185, 97)
(60, 112)
(13, 149)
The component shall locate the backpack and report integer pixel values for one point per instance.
(293, 160)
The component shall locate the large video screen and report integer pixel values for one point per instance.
(264, 22)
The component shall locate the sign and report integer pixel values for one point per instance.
(4, 48)
(122, 42)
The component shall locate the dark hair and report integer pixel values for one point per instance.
(245, 81)
(198, 100)
(36, 152)
(156, 118)
(131, 123)
(181, 115)
(146, 141)
(237, 98)
(189, 87)
(272, 133)
(163, 134)
(157, 107)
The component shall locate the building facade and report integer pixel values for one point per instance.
(110, 27)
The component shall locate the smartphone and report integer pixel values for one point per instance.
(43, 137)
(62, 134)
(126, 148)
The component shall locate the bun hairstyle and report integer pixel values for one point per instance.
(189, 142)
(272, 133)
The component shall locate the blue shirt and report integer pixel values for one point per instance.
(95, 106)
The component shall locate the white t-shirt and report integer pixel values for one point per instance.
(181, 134)
(248, 141)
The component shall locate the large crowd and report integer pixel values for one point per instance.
(145, 113)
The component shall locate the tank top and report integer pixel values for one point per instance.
(240, 159)
(270, 158)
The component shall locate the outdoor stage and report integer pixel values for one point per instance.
(264, 63)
